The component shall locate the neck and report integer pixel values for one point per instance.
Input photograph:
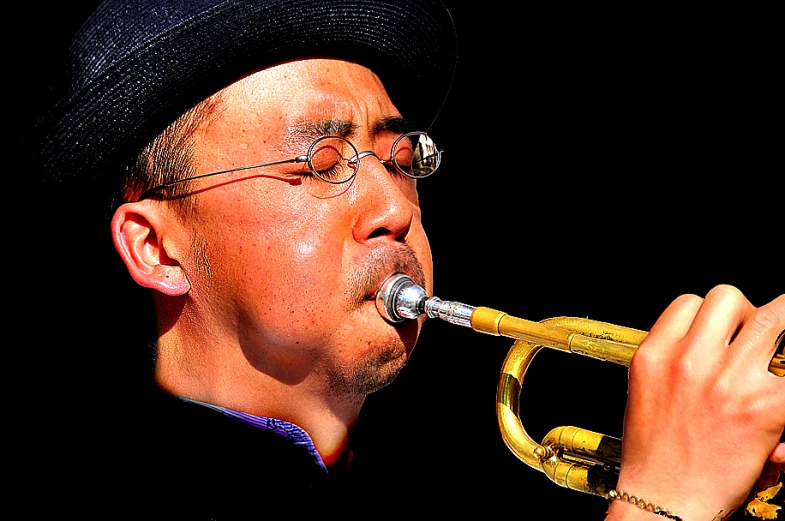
(217, 377)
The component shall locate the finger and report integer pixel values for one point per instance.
(722, 313)
(675, 322)
(778, 454)
(780, 343)
(760, 335)
(716, 324)
(657, 349)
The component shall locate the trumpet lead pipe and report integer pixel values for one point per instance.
(400, 298)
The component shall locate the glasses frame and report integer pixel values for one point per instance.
(354, 163)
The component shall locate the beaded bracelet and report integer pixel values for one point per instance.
(641, 503)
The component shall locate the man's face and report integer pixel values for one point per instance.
(287, 265)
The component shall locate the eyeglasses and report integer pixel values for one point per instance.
(335, 160)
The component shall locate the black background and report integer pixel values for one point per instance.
(598, 163)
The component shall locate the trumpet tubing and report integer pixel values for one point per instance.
(572, 457)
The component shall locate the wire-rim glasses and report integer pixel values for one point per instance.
(335, 160)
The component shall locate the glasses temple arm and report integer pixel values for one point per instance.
(151, 191)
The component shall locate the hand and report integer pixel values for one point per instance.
(703, 412)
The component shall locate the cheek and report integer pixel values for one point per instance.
(269, 246)
(294, 261)
(418, 240)
(300, 269)
(280, 275)
(296, 243)
(304, 251)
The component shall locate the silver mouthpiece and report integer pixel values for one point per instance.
(400, 298)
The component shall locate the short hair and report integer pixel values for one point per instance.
(169, 157)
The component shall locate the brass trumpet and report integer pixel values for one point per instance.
(572, 457)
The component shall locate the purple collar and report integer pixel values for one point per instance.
(290, 431)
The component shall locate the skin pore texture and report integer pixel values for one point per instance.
(266, 288)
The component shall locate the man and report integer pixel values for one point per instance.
(264, 158)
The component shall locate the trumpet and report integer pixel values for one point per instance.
(572, 457)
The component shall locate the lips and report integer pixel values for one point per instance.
(382, 263)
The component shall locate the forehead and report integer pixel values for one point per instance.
(292, 94)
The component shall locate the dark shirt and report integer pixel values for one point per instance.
(208, 464)
(173, 459)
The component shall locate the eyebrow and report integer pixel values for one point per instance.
(325, 127)
(395, 125)
(311, 130)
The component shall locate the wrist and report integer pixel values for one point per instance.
(629, 507)
(623, 511)
(687, 503)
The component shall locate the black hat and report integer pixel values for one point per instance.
(136, 65)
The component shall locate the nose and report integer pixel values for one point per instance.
(367, 153)
(386, 201)
(356, 159)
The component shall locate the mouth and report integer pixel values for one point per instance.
(400, 298)
(372, 281)
(384, 282)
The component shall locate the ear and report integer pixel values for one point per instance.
(137, 232)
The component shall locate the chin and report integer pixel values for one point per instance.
(375, 369)
(385, 374)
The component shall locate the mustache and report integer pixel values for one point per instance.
(380, 264)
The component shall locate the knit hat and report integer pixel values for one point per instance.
(137, 65)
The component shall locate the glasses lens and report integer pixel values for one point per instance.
(415, 154)
(333, 159)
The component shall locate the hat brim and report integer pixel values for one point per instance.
(131, 86)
